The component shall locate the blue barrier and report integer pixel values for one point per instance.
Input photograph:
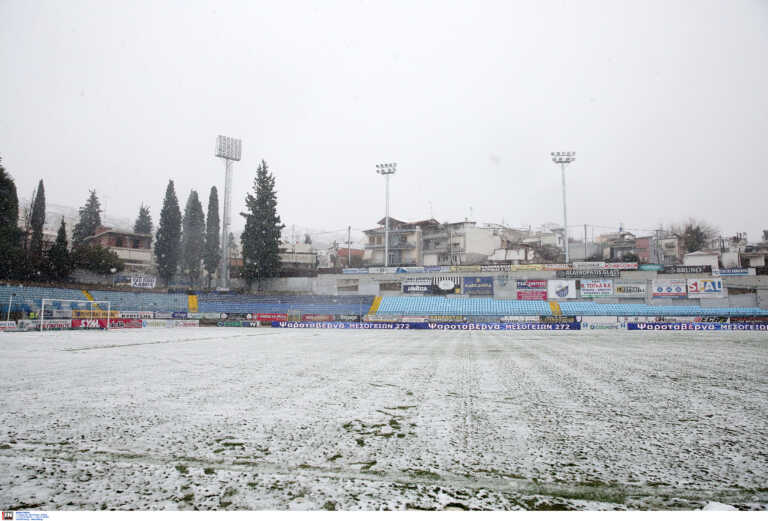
(448, 326)
(694, 326)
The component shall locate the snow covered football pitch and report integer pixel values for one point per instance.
(308, 419)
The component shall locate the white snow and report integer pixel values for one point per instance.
(355, 419)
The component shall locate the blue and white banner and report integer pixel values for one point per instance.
(695, 326)
(478, 285)
(734, 272)
(449, 326)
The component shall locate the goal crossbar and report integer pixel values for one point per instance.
(91, 303)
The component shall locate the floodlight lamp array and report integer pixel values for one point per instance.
(386, 168)
(563, 157)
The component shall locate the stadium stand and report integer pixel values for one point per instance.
(232, 303)
(491, 307)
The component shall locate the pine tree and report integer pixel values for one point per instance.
(36, 221)
(10, 235)
(143, 222)
(193, 238)
(59, 262)
(168, 243)
(212, 254)
(261, 237)
(90, 219)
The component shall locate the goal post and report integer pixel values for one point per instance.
(93, 311)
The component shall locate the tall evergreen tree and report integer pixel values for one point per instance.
(193, 238)
(59, 262)
(212, 254)
(37, 220)
(261, 237)
(168, 242)
(10, 235)
(90, 219)
(143, 222)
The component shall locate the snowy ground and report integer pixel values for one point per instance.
(310, 419)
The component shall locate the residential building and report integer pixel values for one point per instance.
(617, 245)
(134, 249)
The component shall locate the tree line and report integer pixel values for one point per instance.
(186, 244)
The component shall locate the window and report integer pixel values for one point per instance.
(119, 242)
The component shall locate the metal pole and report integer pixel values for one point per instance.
(565, 215)
(349, 251)
(585, 242)
(224, 265)
(10, 302)
(386, 226)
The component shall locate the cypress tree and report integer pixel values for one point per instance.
(168, 243)
(10, 235)
(261, 237)
(143, 222)
(90, 219)
(37, 220)
(193, 238)
(212, 254)
(59, 262)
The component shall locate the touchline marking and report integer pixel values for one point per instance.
(171, 341)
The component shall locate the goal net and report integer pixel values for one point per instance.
(75, 314)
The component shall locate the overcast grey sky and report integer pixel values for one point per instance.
(664, 102)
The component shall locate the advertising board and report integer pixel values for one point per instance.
(630, 289)
(557, 289)
(588, 265)
(596, 287)
(348, 318)
(695, 326)
(669, 287)
(417, 286)
(532, 294)
(143, 281)
(532, 284)
(88, 323)
(705, 288)
(475, 326)
(7, 324)
(179, 314)
(734, 272)
(185, 323)
(354, 271)
(650, 267)
(136, 314)
(478, 285)
(555, 267)
(314, 317)
(687, 269)
(621, 265)
(271, 316)
(592, 273)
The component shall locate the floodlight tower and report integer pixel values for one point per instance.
(386, 169)
(563, 158)
(228, 149)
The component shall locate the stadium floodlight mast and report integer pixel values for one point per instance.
(386, 169)
(563, 158)
(229, 149)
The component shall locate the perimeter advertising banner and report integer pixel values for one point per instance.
(630, 289)
(478, 285)
(596, 288)
(731, 272)
(705, 288)
(557, 289)
(694, 326)
(531, 289)
(669, 287)
(688, 269)
(143, 281)
(476, 326)
(417, 286)
(591, 273)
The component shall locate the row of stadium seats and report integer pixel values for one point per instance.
(319, 304)
(489, 306)
(28, 299)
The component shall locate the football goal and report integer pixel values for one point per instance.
(85, 314)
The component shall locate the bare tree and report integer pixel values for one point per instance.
(694, 233)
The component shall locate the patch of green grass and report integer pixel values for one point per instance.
(329, 505)
(187, 498)
(335, 457)
(182, 468)
(233, 444)
(5, 446)
(208, 470)
(252, 484)
(423, 473)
